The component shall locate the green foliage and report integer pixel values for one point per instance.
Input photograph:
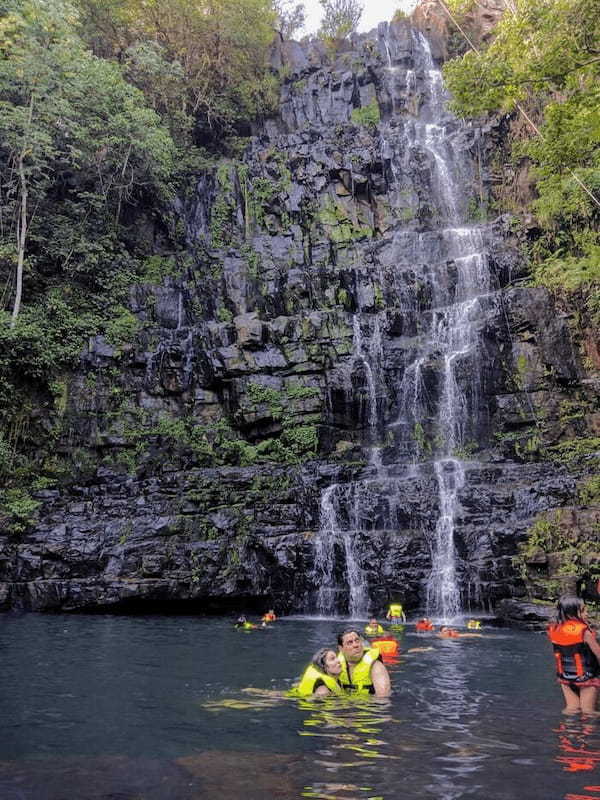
(340, 18)
(301, 440)
(476, 210)
(572, 554)
(574, 450)
(122, 328)
(460, 6)
(545, 534)
(224, 314)
(543, 57)
(154, 269)
(589, 492)
(367, 115)
(466, 451)
(420, 438)
(340, 227)
(17, 510)
(210, 66)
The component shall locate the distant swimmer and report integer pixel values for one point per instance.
(396, 614)
(448, 633)
(270, 616)
(321, 677)
(452, 633)
(577, 655)
(373, 628)
(474, 624)
(424, 624)
(363, 671)
(243, 624)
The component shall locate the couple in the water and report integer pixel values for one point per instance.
(352, 669)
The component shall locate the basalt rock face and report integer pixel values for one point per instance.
(293, 415)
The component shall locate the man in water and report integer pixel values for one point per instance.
(396, 614)
(363, 671)
(373, 628)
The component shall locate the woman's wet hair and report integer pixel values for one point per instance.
(569, 607)
(319, 658)
(340, 638)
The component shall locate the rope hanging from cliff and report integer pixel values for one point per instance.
(518, 106)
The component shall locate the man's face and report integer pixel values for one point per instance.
(352, 646)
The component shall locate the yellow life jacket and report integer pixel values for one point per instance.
(396, 610)
(361, 682)
(474, 624)
(373, 630)
(309, 680)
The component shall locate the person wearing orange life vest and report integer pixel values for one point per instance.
(424, 624)
(270, 616)
(577, 655)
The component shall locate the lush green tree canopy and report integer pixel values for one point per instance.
(545, 60)
(72, 130)
(216, 51)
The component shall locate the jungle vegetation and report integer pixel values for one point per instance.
(107, 107)
(544, 62)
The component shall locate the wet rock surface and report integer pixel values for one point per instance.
(269, 369)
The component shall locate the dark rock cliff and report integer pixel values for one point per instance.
(276, 365)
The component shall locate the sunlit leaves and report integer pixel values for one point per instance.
(545, 56)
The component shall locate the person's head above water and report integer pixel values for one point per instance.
(351, 644)
(569, 607)
(372, 621)
(241, 618)
(326, 660)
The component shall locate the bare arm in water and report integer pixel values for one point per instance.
(381, 680)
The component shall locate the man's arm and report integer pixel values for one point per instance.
(381, 680)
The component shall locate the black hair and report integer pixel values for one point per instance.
(569, 607)
(319, 658)
(345, 632)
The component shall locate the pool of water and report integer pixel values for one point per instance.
(141, 708)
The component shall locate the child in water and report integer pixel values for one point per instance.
(577, 655)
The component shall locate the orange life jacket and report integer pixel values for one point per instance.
(574, 659)
(450, 634)
(424, 626)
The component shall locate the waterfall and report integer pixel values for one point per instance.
(437, 393)
(340, 532)
(358, 349)
(443, 595)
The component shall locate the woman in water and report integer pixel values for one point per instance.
(320, 678)
(577, 655)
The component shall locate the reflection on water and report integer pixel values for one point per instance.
(579, 751)
(154, 708)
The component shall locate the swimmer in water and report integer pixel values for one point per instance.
(577, 654)
(321, 677)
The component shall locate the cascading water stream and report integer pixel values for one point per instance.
(433, 423)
